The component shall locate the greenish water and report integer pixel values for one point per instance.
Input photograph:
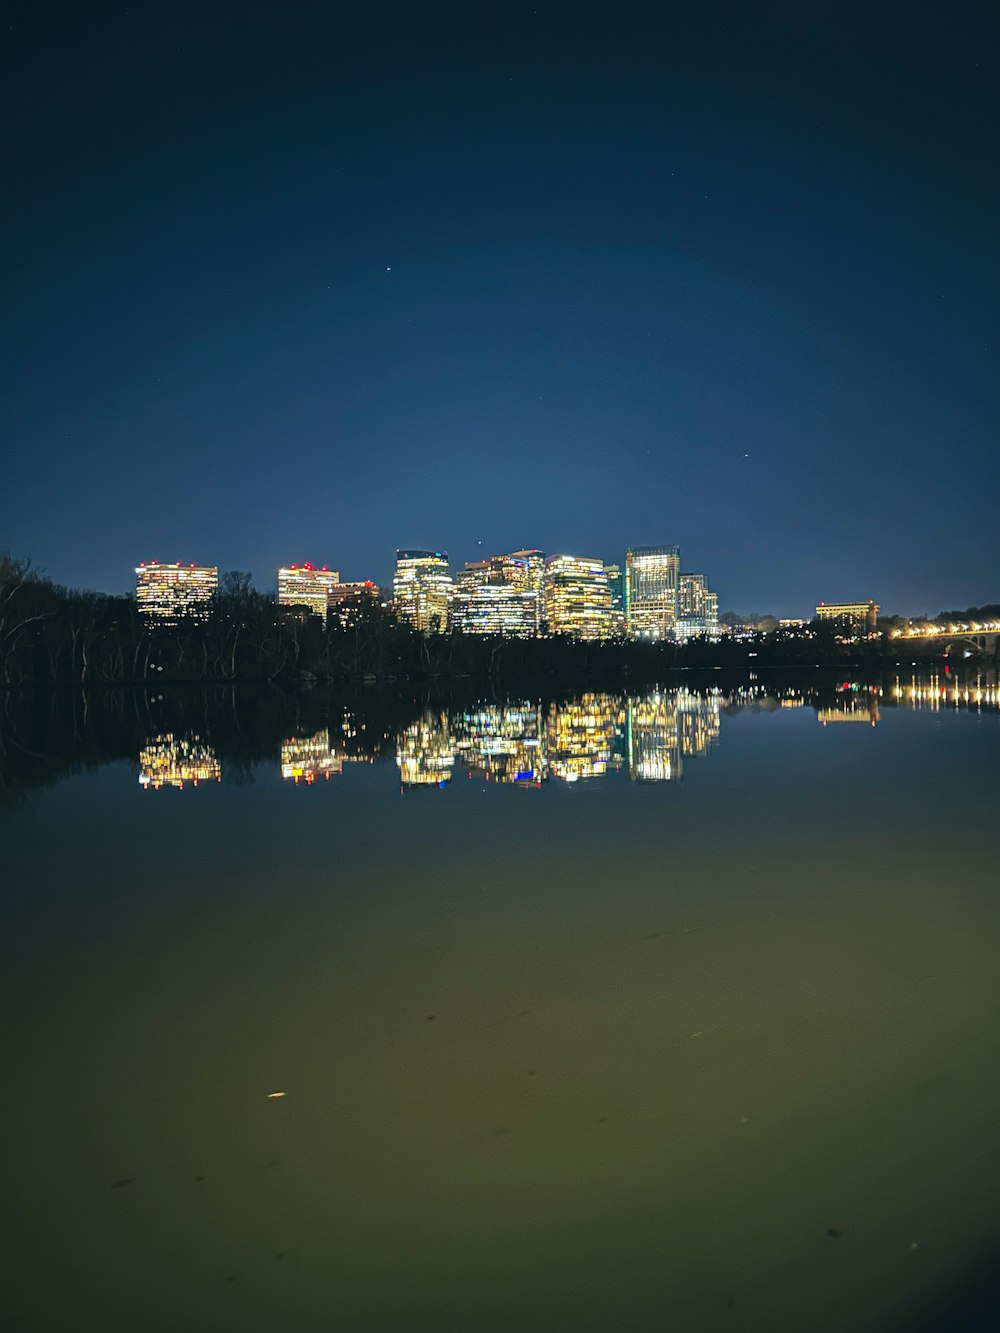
(572, 1051)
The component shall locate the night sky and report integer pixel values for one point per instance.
(290, 283)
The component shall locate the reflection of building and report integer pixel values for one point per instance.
(652, 575)
(699, 716)
(697, 607)
(305, 758)
(171, 761)
(503, 743)
(422, 589)
(488, 600)
(169, 593)
(577, 597)
(652, 739)
(304, 585)
(425, 752)
(852, 617)
(852, 704)
(580, 736)
(665, 728)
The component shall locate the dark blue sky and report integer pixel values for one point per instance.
(299, 283)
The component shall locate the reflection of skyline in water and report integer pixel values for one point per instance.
(174, 761)
(502, 743)
(425, 752)
(306, 758)
(527, 743)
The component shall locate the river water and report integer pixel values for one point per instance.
(676, 1010)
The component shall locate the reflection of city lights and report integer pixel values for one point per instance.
(664, 729)
(525, 744)
(304, 759)
(502, 743)
(580, 736)
(172, 761)
(425, 753)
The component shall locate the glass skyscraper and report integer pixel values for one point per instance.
(422, 589)
(652, 575)
(577, 597)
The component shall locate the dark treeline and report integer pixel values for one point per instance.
(51, 635)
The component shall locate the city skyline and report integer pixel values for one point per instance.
(726, 274)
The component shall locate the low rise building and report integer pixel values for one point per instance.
(851, 617)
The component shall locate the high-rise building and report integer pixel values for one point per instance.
(577, 599)
(652, 574)
(305, 585)
(350, 602)
(616, 586)
(492, 597)
(526, 570)
(852, 617)
(422, 589)
(166, 594)
(697, 607)
(345, 592)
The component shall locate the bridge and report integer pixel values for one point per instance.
(982, 640)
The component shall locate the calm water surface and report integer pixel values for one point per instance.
(673, 1012)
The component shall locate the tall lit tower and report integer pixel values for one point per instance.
(422, 589)
(652, 575)
(577, 597)
(305, 585)
(697, 607)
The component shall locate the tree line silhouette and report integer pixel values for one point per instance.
(51, 635)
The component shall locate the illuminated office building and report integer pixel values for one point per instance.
(697, 607)
(503, 743)
(851, 617)
(580, 736)
(349, 602)
(652, 576)
(167, 594)
(425, 752)
(346, 592)
(175, 761)
(305, 585)
(306, 758)
(577, 599)
(488, 601)
(422, 589)
(526, 570)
